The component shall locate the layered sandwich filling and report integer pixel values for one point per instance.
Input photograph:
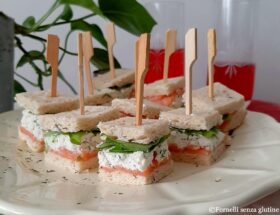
(30, 127)
(194, 141)
(226, 119)
(75, 146)
(132, 157)
(125, 90)
(172, 100)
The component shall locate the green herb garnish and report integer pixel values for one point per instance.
(75, 137)
(206, 133)
(127, 147)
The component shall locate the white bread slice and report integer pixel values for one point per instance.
(225, 100)
(101, 97)
(123, 77)
(236, 120)
(70, 165)
(35, 146)
(106, 95)
(41, 102)
(73, 121)
(162, 87)
(123, 178)
(201, 159)
(151, 110)
(200, 119)
(126, 130)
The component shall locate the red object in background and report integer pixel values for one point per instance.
(176, 65)
(237, 77)
(269, 108)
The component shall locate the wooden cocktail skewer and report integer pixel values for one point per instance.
(88, 53)
(52, 59)
(170, 47)
(111, 39)
(143, 61)
(211, 40)
(136, 52)
(81, 72)
(190, 57)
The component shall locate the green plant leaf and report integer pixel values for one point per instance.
(128, 14)
(87, 4)
(18, 88)
(67, 13)
(93, 28)
(100, 59)
(30, 56)
(29, 22)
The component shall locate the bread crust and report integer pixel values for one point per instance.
(41, 102)
(73, 121)
(225, 100)
(101, 97)
(122, 178)
(70, 165)
(151, 110)
(125, 129)
(200, 119)
(201, 160)
(34, 146)
(106, 95)
(162, 87)
(123, 77)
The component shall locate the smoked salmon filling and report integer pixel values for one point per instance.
(173, 148)
(166, 100)
(31, 136)
(75, 146)
(226, 120)
(75, 156)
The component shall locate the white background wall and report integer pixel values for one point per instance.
(199, 13)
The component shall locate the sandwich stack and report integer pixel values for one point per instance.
(226, 101)
(195, 137)
(71, 137)
(118, 82)
(43, 102)
(134, 150)
(96, 96)
(167, 91)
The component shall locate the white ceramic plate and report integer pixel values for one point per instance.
(247, 171)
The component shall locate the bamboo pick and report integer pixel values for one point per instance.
(136, 52)
(88, 53)
(52, 59)
(211, 40)
(111, 39)
(81, 72)
(143, 62)
(190, 58)
(170, 47)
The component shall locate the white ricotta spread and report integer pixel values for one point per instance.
(30, 122)
(88, 142)
(133, 161)
(178, 102)
(182, 140)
